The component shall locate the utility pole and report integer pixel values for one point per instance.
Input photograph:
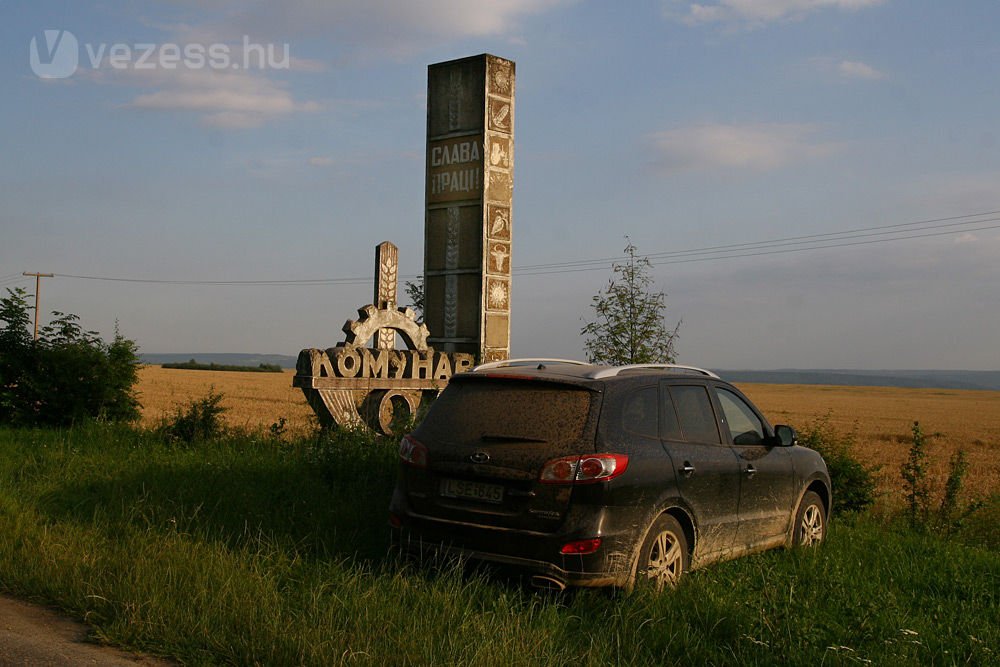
(38, 287)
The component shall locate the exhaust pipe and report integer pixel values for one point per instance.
(547, 583)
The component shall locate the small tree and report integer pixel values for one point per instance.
(629, 327)
(68, 374)
(415, 291)
(916, 484)
(16, 352)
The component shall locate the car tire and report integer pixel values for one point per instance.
(809, 529)
(663, 555)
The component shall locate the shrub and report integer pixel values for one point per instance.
(958, 466)
(915, 481)
(200, 420)
(980, 526)
(853, 484)
(65, 376)
(333, 451)
(950, 514)
(278, 429)
(15, 355)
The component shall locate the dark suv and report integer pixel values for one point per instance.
(590, 475)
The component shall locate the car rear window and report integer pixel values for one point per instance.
(471, 410)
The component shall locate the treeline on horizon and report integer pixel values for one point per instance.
(192, 365)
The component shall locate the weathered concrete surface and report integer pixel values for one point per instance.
(469, 197)
(351, 385)
(39, 636)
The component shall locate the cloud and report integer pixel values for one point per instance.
(757, 13)
(307, 65)
(758, 146)
(321, 161)
(222, 99)
(843, 69)
(855, 69)
(387, 26)
(241, 97)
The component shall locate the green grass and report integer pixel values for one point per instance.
(247, 550)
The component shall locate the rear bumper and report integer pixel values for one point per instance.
(529, 552)
(406, 541)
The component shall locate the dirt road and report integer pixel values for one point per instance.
(38, 636)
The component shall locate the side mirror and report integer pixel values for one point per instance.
(786, 435)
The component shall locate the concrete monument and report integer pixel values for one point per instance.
(467, 224)
(353, 385)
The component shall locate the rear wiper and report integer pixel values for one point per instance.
(509, 438)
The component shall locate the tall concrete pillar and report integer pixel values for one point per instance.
(469, 193)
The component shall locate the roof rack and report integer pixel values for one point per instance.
(612, 372)
(528, 361)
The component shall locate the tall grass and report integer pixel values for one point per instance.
(248, 551)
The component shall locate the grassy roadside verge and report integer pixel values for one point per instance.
(246, 550)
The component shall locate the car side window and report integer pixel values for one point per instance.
(745, 427)
(639, 414)
(695, 414)
(670, 428)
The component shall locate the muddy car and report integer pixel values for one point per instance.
(584, 475)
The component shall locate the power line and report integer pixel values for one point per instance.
(305, 281)
(846, 238)
(13, 281)
(796, 240)
(770, 252)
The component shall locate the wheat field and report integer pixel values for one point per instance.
(880, 417)
(252, 400)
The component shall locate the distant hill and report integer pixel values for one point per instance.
(878, 378)
(223, 358)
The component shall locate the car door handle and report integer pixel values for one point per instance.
(750, 471)
(687, 469)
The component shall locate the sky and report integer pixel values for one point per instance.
(770, 127)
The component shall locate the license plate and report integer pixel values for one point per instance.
(459, 488)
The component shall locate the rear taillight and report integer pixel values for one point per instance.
(581, 547)
(583, 469)
(413, 452)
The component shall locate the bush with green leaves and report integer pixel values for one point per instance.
(951, 513)
(67, 375)
(200, 420)
(853, 484)
(915, 483)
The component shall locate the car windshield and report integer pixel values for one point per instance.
(508, 411)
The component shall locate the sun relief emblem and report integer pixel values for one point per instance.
(497, 295)
(501, 77)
